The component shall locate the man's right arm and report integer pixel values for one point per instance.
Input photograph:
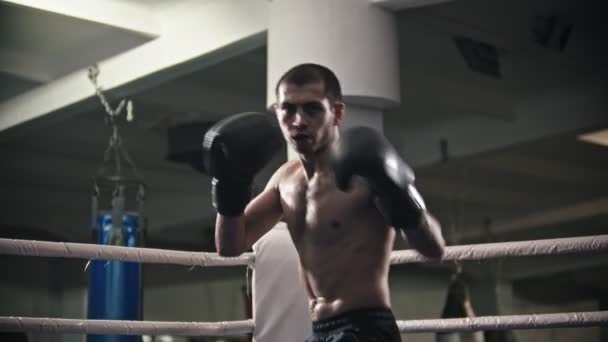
(236, 234)
(234, 150)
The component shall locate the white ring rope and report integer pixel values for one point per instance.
(587, 244)
(60, 325)
(149, 255)
(115, 327)
(540, 321)
(102, 252)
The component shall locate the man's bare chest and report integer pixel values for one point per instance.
(318, 209)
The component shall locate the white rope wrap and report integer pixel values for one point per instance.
(541, 321)
(112, 327)
(591, 244)
(101, 252)
(61, 325)
(587, 244)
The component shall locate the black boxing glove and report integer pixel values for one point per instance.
(363, 151)
(234, 151)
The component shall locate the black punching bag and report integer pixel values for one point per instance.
(457, 305)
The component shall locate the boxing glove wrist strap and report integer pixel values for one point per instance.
(230, 197)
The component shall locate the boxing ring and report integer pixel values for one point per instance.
(476, 252)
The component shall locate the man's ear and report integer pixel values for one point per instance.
(338, 112)
(273, 108)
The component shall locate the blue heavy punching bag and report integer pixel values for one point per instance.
(115, 287)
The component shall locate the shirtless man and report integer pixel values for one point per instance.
(343, 201)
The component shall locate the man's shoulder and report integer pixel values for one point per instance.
(291, 166)
(288, 172)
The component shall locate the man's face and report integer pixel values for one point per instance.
(307, 118)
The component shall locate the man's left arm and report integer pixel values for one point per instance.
(427, 237)
(365, 152)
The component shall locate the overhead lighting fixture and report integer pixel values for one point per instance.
(480, 57)
(598, 137)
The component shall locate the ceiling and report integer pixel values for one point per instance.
(498, 159)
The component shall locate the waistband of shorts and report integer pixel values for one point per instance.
(355, 316)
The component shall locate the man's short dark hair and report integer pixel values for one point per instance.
(312, 73)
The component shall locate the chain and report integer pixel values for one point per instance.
(93, 73)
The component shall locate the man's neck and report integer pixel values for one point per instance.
(317, 163)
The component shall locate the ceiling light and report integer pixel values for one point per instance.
(598, 137)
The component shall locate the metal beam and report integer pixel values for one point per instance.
(397, 5)
(555, 216)
(25, 66)
(195, 35)
(522, 165)
(536, 267)
(570, 213)
(561, 111)
(212, 104)
(128, 16)
(502, 196)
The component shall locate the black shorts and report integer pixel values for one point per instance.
(360, 325)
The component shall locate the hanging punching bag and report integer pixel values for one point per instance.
(115, 287)
(458, 305)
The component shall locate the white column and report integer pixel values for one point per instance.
(359, 43)
(356, 40)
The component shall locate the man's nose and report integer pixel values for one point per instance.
(299, 119)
